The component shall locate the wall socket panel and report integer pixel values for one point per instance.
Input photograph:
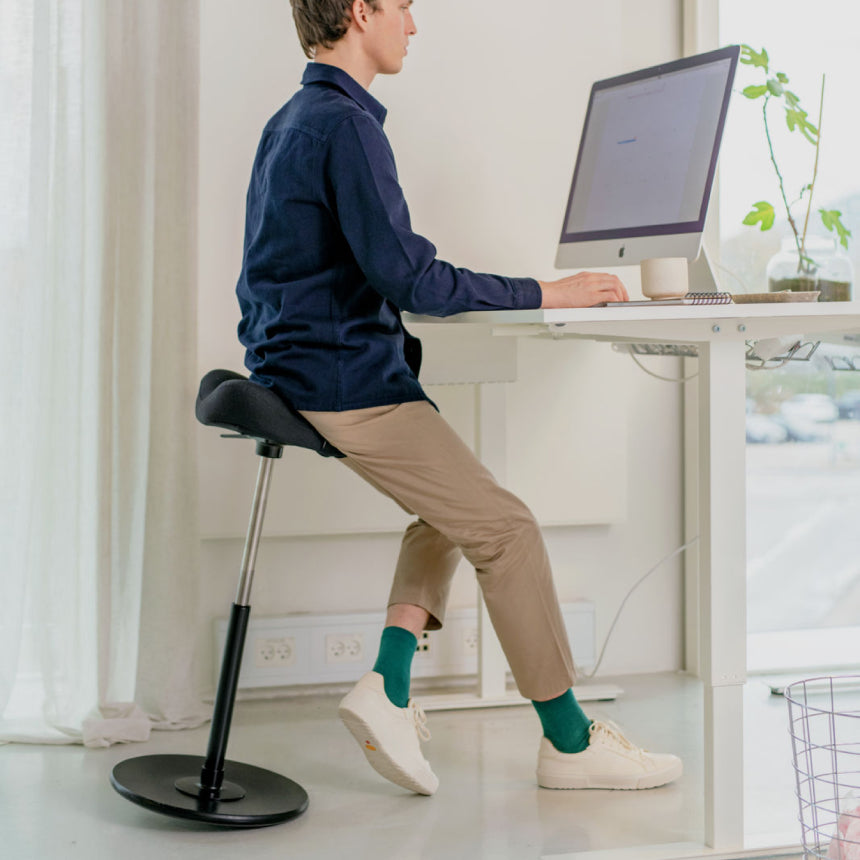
(326, 649)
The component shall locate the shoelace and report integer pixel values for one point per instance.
(612, 734)
(418, 716)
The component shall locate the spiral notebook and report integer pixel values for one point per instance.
(711, 298)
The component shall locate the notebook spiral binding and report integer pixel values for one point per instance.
(707, 298)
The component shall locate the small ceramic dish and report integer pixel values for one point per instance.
(781, 296)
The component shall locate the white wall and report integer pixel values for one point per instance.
(484, 122)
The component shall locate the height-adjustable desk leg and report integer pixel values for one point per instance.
(491, 442)
(722, 572)
(491, 449)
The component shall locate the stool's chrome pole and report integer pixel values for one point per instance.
(212, 773)
(255, 528)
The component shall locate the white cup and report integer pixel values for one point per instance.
(664, 277)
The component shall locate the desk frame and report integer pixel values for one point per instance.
(718, 490)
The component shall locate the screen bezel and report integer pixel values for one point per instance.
(730, 53)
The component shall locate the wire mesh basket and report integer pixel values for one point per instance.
(824, 720)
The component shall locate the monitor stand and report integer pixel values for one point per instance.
(702, 276)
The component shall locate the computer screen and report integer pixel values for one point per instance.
(647, 156)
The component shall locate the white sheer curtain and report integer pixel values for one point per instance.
(98, 529)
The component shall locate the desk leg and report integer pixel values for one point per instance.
(491, 449)
(722, 571)
(491, 442)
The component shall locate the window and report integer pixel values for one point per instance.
(803, 431)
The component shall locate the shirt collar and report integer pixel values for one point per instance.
(320, 73)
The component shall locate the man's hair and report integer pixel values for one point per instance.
(321, 23)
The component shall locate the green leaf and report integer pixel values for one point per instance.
(762, 213)
(797, 120)
(791, 99)
(750, 57)
(775, 87)
(832, 220)
(754, 92)
(783, 78)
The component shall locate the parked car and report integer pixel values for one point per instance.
(816, 408)
(802, 429)
(762, 429)
(849, 405)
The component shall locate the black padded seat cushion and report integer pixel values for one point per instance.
(233, 402)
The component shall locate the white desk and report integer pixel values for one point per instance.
(719, 497)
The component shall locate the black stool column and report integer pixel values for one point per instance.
(224, 792)
(212, 774)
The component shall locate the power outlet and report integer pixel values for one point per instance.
(470, 641)
(274, 651)
(327, 649)
(344, 647)
(423, 648)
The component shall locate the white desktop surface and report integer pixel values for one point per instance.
(670, 323)
(716, 494)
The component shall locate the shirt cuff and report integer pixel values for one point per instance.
(528, 293)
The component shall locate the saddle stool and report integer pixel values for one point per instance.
(214, 790)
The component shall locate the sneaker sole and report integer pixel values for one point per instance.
(648, 780)
(377, 756)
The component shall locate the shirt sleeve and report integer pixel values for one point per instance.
(365, 196)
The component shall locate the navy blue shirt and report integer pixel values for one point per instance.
(331, 260)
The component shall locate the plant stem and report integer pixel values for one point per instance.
(791, 221)
(815, 169)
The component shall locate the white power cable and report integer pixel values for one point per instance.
(642, 579)
(764, 366)
(657, 375)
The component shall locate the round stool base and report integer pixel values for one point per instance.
(150, 781)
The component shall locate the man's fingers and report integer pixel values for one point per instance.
(583, 290)
(615, 292)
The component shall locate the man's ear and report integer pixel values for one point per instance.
(361, 13)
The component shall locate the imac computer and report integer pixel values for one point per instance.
(646, 162)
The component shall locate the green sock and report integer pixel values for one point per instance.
(564, 723)
(394, 663)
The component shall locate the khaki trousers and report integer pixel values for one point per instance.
(410, 453)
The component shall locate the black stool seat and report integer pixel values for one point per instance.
(233, 402)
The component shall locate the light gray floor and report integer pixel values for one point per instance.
(55, 802)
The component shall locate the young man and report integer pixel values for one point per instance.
(330, 262)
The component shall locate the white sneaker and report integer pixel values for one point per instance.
(389, 735)
(609, 761)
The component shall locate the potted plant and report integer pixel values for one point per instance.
(805, 262)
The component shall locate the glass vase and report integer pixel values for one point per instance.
(827, 270)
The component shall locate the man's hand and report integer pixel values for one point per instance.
(582, 291)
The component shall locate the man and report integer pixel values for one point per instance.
(330, 262)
